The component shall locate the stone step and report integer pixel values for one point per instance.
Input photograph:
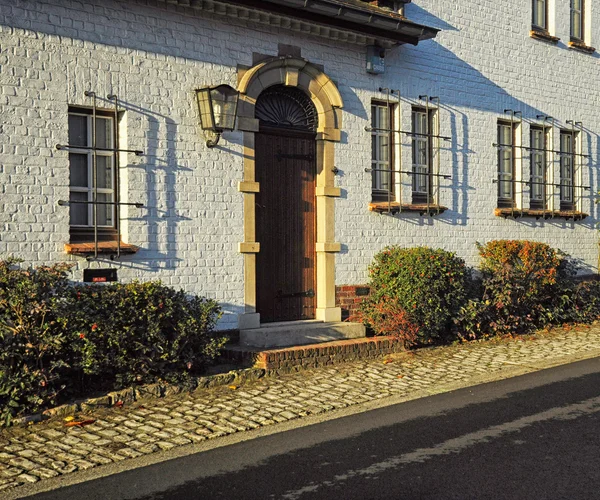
(293, 333)
(313, 355)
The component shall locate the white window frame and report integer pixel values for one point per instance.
(89, 190)
(577, 20)
(506, 165)
(423, 127)
(569, 147)
(539, 139)
(382, 140)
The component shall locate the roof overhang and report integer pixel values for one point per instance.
(351, 21)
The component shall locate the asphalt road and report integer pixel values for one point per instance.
(529, 437)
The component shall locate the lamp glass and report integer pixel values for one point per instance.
(224, 101)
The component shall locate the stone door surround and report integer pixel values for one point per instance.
(295, 72)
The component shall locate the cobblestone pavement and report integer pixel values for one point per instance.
(49, 449)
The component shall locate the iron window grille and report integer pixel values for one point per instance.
(94, 186)
(423, 185)
(507, 132)
(539, 140)
(542, 199)
(431, 201)
(382, 143)
(568, 168)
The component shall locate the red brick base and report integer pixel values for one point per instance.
(349, 297)
(316, 355)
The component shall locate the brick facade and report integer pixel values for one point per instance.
(153, 54)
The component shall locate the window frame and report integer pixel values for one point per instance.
(504, 202)
(419, 195)
(85, 232)
(378, 190)
(542, 159)
(581, 24)
(535, 11)
(568, 160)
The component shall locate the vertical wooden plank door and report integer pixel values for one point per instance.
(286, 226)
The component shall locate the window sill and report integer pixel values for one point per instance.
(383, 207)
(104, 247)
(581, 47)
(539, 214)
(544, 36)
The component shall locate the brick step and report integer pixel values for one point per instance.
(314, 355)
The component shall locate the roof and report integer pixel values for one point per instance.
(355, 21)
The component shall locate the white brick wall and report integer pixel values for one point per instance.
(153, 56)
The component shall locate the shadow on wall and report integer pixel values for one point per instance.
(160, 174)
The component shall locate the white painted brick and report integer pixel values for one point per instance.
(154, 55)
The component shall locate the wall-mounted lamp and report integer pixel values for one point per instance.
(218, 108)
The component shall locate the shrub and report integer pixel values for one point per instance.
(59, 339)
(32, 343)
(423, 285)
(138, 332)
(387, 317)
(524, 284)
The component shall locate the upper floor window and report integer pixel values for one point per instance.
(568, 151)
(540, 14)
(422, 153)
(577, 20)
(381, 152)
(92, 174)
(506, 164)
(539, 167)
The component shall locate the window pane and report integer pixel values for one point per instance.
(78, 130)
(383, 117)
(576, 25)
(374, 117)
(104, 167)
(105, 212)
(78, 169)
(539, 13)
(373, 147)
(78, 211)
(384, 149)
(103, 133)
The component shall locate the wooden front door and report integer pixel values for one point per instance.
(285, 225)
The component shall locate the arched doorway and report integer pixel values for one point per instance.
(324, 95)
(285, 155)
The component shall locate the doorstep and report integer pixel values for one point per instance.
(297, 357)
(295, 333)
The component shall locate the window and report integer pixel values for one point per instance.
(422, 153)
(540, 14)
(84, 185)
(568, 148)
(381, 152)
(506, 164)
(577, 20)
(538, 178)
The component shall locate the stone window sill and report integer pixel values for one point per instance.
(539, 214)
(543, 35)
(104, 247)
(383, 207)
(581, 47)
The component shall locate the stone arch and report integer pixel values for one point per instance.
(295, 72)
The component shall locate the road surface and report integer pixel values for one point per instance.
(529, 437)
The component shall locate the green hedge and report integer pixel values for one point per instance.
(59, 340)
(523, 286)
(415, 292)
